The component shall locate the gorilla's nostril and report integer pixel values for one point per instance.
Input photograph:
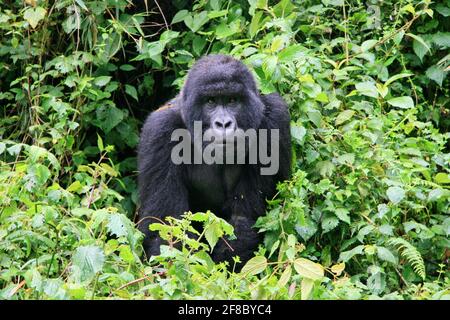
(228, 124)
(218, 124)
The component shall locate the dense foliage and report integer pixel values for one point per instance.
(365, 214)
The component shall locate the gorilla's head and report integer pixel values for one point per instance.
(220, 91)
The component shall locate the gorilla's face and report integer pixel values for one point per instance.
(220, 114)
(221, 93)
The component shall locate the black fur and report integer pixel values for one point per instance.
(236, 193)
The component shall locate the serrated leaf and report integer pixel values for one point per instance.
(197, 21)
(298, 133)
(342, 214)
(254, 24)
(344, 116)
(117, 224)
(108, 117)
(34, 16)
(367, 45)
(308, 269)
(367, 88)
(88, 260)
(443, 10)
(395, 194)
(420, 47)
(402, 102)
(212, 234)
(255, 265)
(329, 223)
(386, 255)
(347, 255)
(436, 74)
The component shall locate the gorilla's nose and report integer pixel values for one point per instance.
(224, 125)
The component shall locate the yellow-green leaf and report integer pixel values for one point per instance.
(306, 287)
(285, 276)
(338, 268)
(255, 265)
(34, 15)
(308, 269)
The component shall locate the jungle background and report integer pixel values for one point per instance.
(365, 214)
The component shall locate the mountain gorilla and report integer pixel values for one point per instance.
(221, 93)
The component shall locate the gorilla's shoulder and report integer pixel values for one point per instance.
(163, 120)
(275, 109)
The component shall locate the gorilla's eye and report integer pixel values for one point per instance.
(211, 100)
(232, 100)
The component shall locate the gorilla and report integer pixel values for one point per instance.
(221, 97)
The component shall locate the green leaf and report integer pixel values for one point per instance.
(212, 234)
(117, 224)
(308, 269)
(34, 15)
(127, 67)
(269, 65)
(395, 194)
(254, 25)
(436, 74)
(367, 88)
(197, 21)
(217, 14)
(126, 254)
(441, 178)
(443, 10)
(441, 39)
(298, 133)
(307, 286)
(329, 223)
(131, 91)
(292, 53)
(344, 116)
(420, 47)
(180, 16)
(396, 77)
(347, 255)
(342, 214)
(108, 117)
(88, 260)
(224, 30)
(100, 143)
(255, 265)
(386, 255)
(285, 277)
(367, 45)
(102, 80)
(402, 102)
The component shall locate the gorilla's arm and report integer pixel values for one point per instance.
(161, 182)
(276, 116)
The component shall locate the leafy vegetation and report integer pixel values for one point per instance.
(364, 216)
